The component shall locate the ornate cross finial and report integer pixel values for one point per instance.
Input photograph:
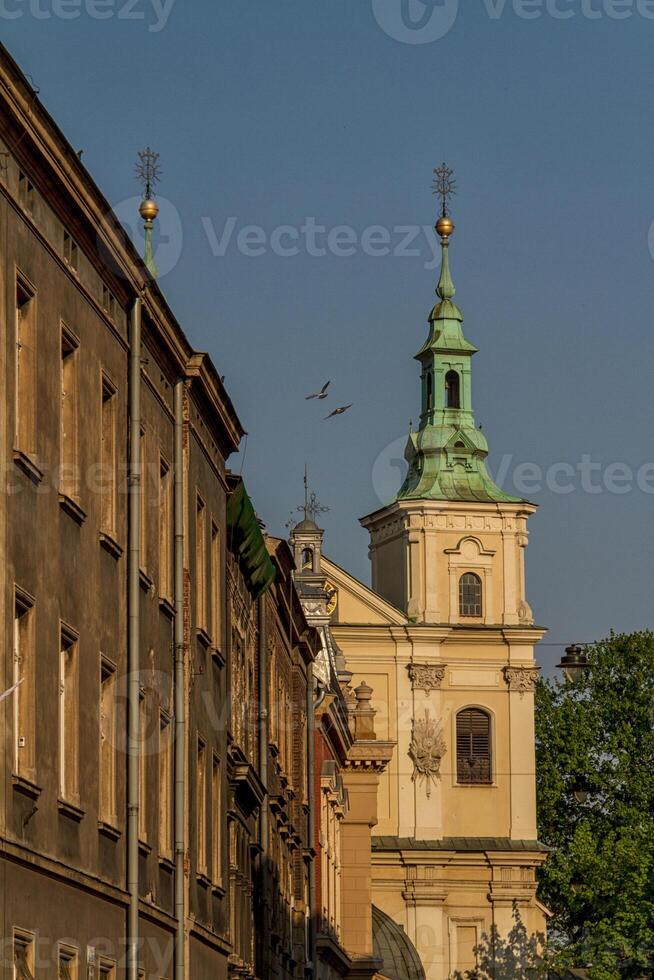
(445, 186)
(311, 507)
(148, 171)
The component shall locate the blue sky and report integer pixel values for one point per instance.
(280, 114)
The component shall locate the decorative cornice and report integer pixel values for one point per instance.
(521, 679)
(426, 677)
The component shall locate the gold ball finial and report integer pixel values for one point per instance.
(149, 209)
(445, 227)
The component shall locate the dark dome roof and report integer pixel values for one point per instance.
(392, 945)
(306, 525)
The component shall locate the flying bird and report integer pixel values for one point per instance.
(319, 394)
(337, 411)
(11, 689)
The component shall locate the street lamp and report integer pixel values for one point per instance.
(574, 663)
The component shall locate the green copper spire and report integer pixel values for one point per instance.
(447, 454)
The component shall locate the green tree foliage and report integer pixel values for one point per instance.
(596, 740)
(516, 956)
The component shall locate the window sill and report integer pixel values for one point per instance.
(23, 785)
(203, 879)
(218, 657)
(109, 543)
(70, 810)
(25, 462)
(145, 849)
(475, 785)
(203, 636)
(109, 830)
(167, 607)
(218, 889)
(145, 581)
(166, 863)
(72, 508)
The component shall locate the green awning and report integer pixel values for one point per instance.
(247, 541)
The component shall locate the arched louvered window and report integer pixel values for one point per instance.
(452, 390)
(470, 597)
(473, 746)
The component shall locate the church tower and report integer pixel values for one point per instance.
(447, 636)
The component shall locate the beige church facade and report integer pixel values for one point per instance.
(446, 638)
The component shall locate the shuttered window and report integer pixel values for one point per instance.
(470, 603)
(473, 746)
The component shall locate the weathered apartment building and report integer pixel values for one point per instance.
(180, 797)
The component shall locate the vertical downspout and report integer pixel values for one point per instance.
(133, 640)
(311, 766)
(180, 699)
(263, 774)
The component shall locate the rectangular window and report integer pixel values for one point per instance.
(70, 250)
(216, 822)
(25, 402)
(107, 742)
(143, 770)
(68, 462)
(143, 457)
(23, 697)
(23, 956)
(106, 969)
(165, 530)
(108, 302)
(215, 585)
(108, 461)
(165, 786)
(68, 715)
(201, 564)
(68, 962)
(201, 807)
(25, 191)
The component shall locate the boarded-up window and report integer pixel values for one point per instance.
(466, 941)
(473, 746)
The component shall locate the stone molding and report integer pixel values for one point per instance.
(426, 677)
(521, 679)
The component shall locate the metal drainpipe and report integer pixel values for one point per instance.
(133, 640)
(180, 698)
(311, 765)
(263, 770)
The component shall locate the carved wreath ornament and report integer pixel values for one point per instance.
(426, 677)
(426, 750)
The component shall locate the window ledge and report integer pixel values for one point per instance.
(146, 582)
(145, 849)
(71, 810)
(109, 543)
(166, 863)
(203, 879)
(167, 607)
(26, 463)
(203, 636)
(72, 508)
(218, 889)
(109, 830)
(218, 657)
(23, 785)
